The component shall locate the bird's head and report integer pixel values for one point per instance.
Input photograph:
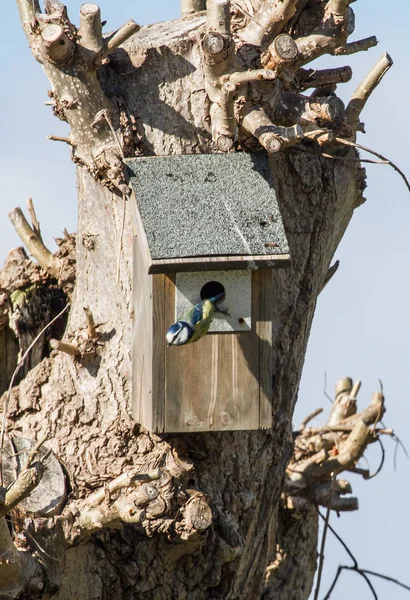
(179, 333)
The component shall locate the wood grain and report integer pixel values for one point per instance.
(213, 384)
(158, 357)
(142, 340)
(264, 332)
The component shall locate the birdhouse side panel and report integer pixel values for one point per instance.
(213, 384)
(147, 356)
(264, 285)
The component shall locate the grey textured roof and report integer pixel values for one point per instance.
(208, 205)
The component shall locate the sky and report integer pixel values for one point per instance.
(361, 327)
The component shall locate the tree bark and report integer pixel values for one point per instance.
(212, 524)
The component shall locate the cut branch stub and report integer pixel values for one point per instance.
(268, 21)
(270, 136)
(32, 240)
(91, 28)
(282, 50)
(40, 487)
(189, 7)
(218, 52)
(218, 17)
(345, 402)
(366, 87)
(56, 45)
(308, 78)
(295, 108)
(70, 61)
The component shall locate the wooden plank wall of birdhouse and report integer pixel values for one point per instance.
(222, 382)
(148, 350)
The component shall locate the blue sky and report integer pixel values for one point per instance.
(362, 325)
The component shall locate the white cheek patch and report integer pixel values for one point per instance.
(182, 337)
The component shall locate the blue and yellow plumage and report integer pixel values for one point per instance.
(195, 323)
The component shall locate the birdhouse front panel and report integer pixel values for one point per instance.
(222, 382)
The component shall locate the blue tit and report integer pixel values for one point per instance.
(195, 323)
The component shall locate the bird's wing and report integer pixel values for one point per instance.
(194, 315)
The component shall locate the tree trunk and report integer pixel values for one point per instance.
(210, 523)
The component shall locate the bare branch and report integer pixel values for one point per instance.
(238, 78)
(189, 7)
(119, 37)
(383, 158)
(91, 28)
(32, 241)
(331, 271)
(121, 511)
(358, 46)
(270, 136)
(223, 122)
(91, 328)
(59, 138)
(268, 21)
(27, 13)
(129, 479)
(57, 47)
(337, 8)
(55, 7)
(311, 416)
(386, 578)
(33, 452)
(366, 87)
(282, 50)
(323, 542)
(309, 78)
(64, 347)
(344, 404)
(34, 222)
(26, 481)
(218, 16)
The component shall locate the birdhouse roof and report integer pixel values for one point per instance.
(207, 211)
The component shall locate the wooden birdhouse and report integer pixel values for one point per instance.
(204, 224)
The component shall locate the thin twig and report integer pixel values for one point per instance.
(34, 244)
(387, 578)
(91, 327)
(16, 370)
(317, 152)
(402, 446)
(33, 217)
(355, 567)
(380, 467)
(33, 452)
(341, 541)
(59, 138)
(325, 390)
(323, 543)
(312, 415)
(352, 159)
(395, 167)
(331, 271)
